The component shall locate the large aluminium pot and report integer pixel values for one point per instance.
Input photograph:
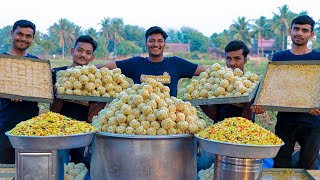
(139, 157)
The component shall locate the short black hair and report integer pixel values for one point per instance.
(237, 45)
(304, 19)
(87, 39)
(24, 24)
(156, 30)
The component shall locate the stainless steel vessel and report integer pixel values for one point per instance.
(238, 150)
(238, 161)
(226, 168)
(43, 157)
(138, 157)
(50, 142)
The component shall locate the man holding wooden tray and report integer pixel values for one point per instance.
(293, 127)
(13, 111)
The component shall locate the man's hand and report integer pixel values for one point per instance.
(315, 112)
(257, 109)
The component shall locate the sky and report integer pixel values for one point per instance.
(206, 16)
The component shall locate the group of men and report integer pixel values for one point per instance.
(303, 128)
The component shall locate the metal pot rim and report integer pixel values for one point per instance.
(44, 137)
(234, 144)
(128, 136)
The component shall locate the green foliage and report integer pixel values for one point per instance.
(112, 32)
(135, 34)
(5, 38)
(127, 48)
(240, 30)
(198, 42)
(219, 41)
(174, 36)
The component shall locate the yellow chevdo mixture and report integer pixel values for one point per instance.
(51, 124)
(239, 130)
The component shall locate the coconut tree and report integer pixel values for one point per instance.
(281, 23)
(117, 26)
(240, 30)
(260, 29)
(92, 32)
(105, 35)
(64, 30)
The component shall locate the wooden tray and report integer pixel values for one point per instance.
(281, 91)
(85, 98)
(225, 100)
(26, 79)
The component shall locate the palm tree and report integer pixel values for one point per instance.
(281, 22)
(117, 28)
(92, 32)
(260, 28)
(105, 31)
(65, 31)
(241, 30)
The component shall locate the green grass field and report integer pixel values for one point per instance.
(266, 120)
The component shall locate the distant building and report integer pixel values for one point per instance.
(266, 44)
(266, 47)
(177, 47)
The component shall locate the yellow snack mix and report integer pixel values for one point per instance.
(239, 130)
(51, 124)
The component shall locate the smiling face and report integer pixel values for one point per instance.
(82, 54)
(300, 34)
(235, 59)
(155, 45)
(22, 38)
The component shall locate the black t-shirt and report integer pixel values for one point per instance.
(227, 111)
(295, 117)
(73, 109)
(168, 71)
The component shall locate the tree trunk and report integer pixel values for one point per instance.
(283, 36)
(63, 51)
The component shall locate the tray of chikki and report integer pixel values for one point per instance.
(25, 79)
(290, 86)
(87, 83)
(221, 85)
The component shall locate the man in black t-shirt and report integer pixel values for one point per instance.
(13, 111)
(293, 127)
(236, 57)
(82, 54)
(167, 70)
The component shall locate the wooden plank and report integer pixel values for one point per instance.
(85, 98)
(283, 108)
(225, 100)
